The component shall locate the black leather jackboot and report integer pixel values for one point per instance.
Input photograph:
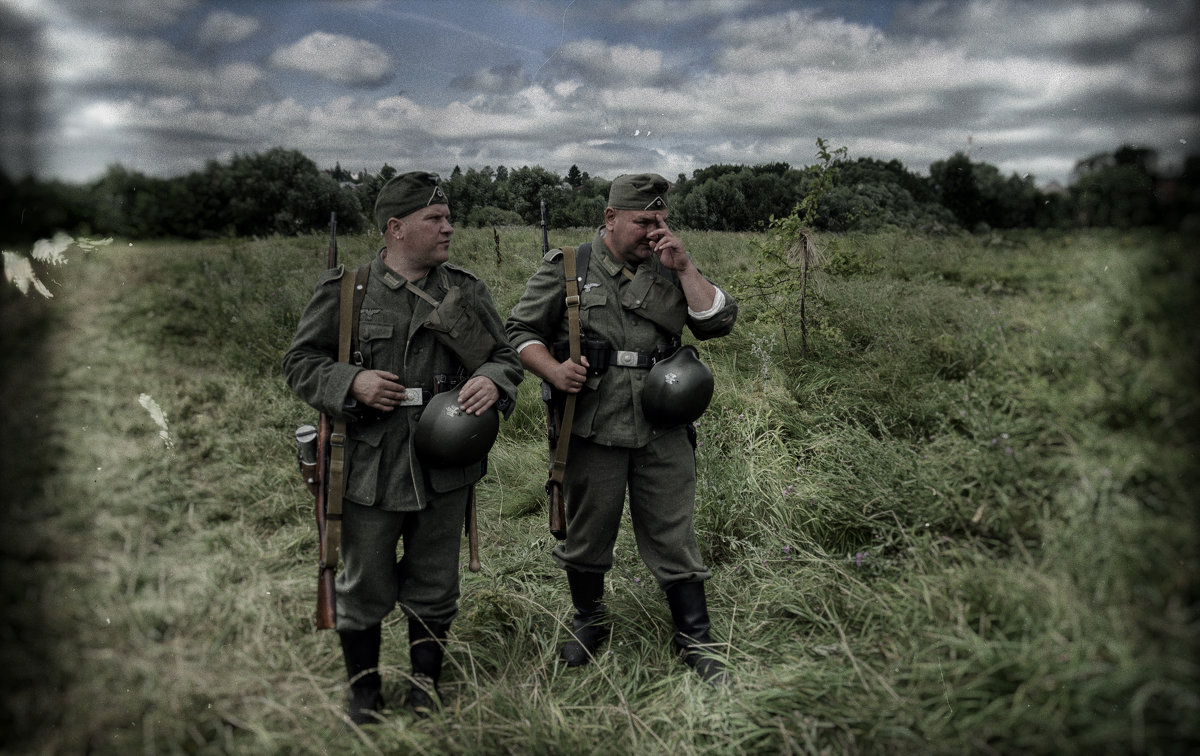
(426, 650)
(689, 610)
(360, 650)
(589, 626)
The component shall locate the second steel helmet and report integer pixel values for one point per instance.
(678, 389)
(446, 436)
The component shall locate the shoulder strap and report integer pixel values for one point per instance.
(361, 276)
(583, 256)
(570, 278)
(345, 318)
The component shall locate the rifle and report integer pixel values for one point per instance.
(545, 238)
(313, 451)
(554, 418)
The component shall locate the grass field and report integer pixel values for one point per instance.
(962, 521)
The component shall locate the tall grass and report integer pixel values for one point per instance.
(962, 522)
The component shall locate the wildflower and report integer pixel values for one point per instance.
(858, 558)
(787, 549)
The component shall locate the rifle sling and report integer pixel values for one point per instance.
(570, 278)
(337, 438)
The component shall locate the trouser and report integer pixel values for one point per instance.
(424, 580)
(661, 481)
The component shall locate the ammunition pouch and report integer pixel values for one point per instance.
(443, 382)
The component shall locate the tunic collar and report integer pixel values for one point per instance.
(612, 266)
(391, 278)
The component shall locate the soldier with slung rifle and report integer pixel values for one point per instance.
(423, 327)
(633, 291)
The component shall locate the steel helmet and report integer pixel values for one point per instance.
(678, 389)
(448, 437)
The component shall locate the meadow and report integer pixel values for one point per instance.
(957, 516)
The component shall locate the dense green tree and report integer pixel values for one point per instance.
(1116, 189)
(282, 191)
(527, 187)
(958, 190)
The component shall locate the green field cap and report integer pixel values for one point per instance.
(641, 191)
(407, 193)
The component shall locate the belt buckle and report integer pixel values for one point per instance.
(413, 397)
(626, 358)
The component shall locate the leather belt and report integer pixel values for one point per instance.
(624, 358)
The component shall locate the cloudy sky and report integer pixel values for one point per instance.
(613, 86)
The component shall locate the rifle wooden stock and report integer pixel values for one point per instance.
(326, 599)
(558, 517)
(473, 534)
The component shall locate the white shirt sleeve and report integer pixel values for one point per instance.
(718, 303)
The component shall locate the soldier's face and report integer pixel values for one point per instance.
(628, 230)
(425, 236)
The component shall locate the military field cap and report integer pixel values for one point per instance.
(406, 193)
(640, 191)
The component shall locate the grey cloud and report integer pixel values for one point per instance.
(223, 27)
(126, 14)
(505, 79)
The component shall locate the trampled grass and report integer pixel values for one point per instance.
(962, 522)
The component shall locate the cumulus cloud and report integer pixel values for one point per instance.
(223, 27)
(671, 85)
(88, 59)
(336, 57)
(610, 64)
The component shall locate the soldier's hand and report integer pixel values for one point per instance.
(378, 389)
(477, 394)
(667, 246)
(570, 376)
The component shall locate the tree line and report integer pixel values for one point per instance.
(282, 191)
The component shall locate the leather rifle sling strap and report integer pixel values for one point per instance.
(570, 278)
(337, 438)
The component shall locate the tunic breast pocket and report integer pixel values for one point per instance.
(654, 298)
(591, 312)
(374, 341)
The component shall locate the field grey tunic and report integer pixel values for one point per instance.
(613, 446)
(389, 495)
